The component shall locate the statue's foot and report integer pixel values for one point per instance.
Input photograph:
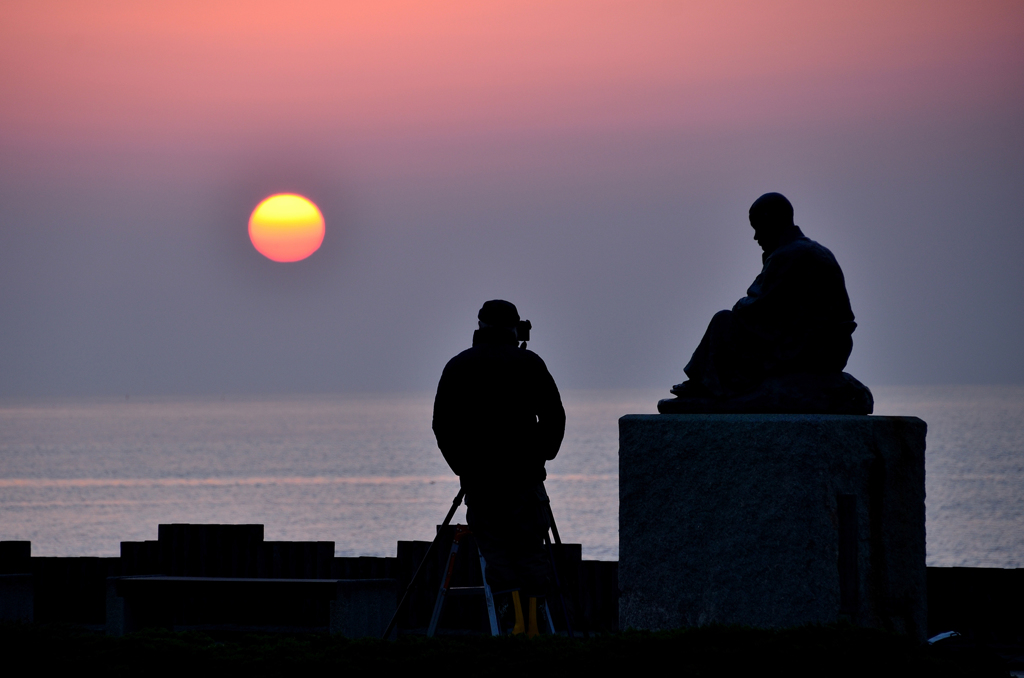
(690, 389)
(692, 397)
(836, 393)
(687, 406)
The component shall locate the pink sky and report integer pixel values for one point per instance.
(591, 161)
(160, 73)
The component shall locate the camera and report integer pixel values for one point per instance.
(523, 328)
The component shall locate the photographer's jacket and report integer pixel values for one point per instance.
(497, 415)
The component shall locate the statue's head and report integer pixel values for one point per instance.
(770, 215)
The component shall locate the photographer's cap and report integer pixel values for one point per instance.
(499, 313)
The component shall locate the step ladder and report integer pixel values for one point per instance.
(447, 589)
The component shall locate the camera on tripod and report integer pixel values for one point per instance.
(523, 328)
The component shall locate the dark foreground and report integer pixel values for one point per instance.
(709, 651)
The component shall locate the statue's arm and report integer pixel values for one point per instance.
(771, 289)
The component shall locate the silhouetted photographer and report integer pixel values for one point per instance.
(782, 348)
(498, 418)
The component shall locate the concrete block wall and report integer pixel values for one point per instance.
(83, 590)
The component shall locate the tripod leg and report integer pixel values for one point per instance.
(558, 587)
(439, 603)
(558, 540)
(551, 523)
(492, 616)
(547, 617)
(416, 575)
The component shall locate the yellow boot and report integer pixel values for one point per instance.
(531, 630)
(520, 626)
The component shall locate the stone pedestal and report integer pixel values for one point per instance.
(771, 521)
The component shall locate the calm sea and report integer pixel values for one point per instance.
(79, 476)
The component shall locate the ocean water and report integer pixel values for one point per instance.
(79, 476)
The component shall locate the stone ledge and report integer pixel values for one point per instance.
(352, 607)
(735, 519)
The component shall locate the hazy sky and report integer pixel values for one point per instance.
(591, 161)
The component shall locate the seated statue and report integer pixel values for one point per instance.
(782, 348)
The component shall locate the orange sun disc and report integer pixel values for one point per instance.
(286, 227)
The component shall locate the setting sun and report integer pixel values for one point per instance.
(286, 227)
